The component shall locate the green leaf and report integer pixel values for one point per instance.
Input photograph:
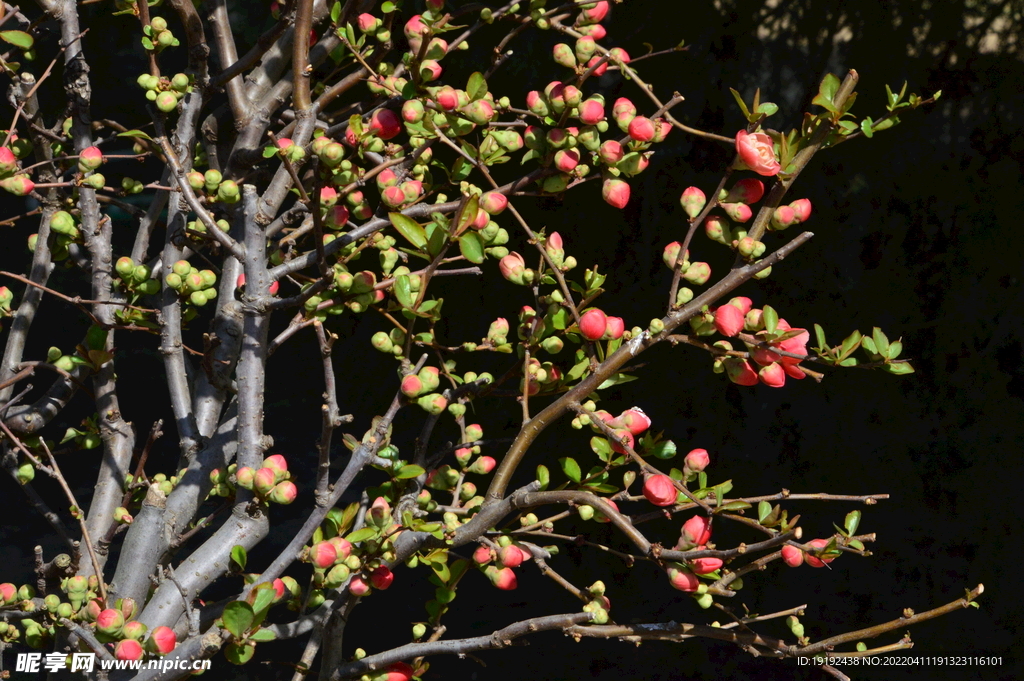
(865, 127)
(361, 535)
(616, 380)
(852, 522)
(735, 506)
(410, 229)
(771, 318)
(764, 509)
(570, 468)
(388, 7)
(768, 108)
(602, 488)
(578, 370)
(827, 104)
(851, 343)
(881, 342)
(898, 368)
(437, 237)
(721, 489)
(441, 570)
(262, 635)
(663, 450)
(335, 12)
(238, 617)
(601, 447)
(403, 291)
(886, 124)
(560, 319)
(269, 151)
(477, 86)
(828, 88)
(895, 348)
(135, 133)
(147, 44)
(239, 556)
(409, 471)
(868, 343)
(472, 247)
(265, 596)
(742, 104)
(819, 333)
(70, 434)
(467, 214)
(18, 39)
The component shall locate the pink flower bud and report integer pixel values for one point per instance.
(162, 640)
(277, 462)
(623, 111)
(729, 320)
(411, 189)
(615, 193)
(328, 196)
(358, 587)
(772, 375)
(280, 589)
(483, 555)
(622, 434)
(696, 461)
(802, 208)
(659, 490)
(8, 592)
(681, 578)
(601, 517)
(757, 152)
(661, 130)
(381, 578)
(284, 493)
(493, 202)
(698, 273)
(599, 71)
(738, 212)
(703, 566)
(19, 185)
(380, 511)
(593, 324)
(503, 578)
(368, 23)
(483, 465)
(385, 123)
(415, 28)
(747, 190)
(696, 532)
(430, 70)
(322, 554)
(564, 56)
(792, 556)
(610, 152)
(8, 161)
(90, 158)
(614, 328)
(594, 13)
(591, 112)
(641, 129)
(635, 420)
(739, 371)
(814, 561)
(670, 256)
(510, 556)
(393, 196)
(512, 267)
(110, 622)
(619, 54)
(413, 111)
(128, 649)
(567, 159)
(693, 201)
(386, 178)
(244, 477)
(783, 217)
(342, 547)
(264, 481)
(479, 111)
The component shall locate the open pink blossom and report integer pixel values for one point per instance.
(756, 151)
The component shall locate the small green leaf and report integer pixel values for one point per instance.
(560, 319)
(764, 509)
(409, 471)
(616, 380)
(570, 468)
(263, 635)
(742, 104)
(135, 133)
(734, 506)
(467, 214)
(269, 151)
(361, 535)
(881, 342)
(827, 104)
(578, 370)
(403, 291)
(437, 238)
(851, 343)
(601, 447)
(819, 333)
(265, 596)
(70, 434)
(477, 86)
(472, 247)
(828, 88)
(852, 522)
(18, 39)
(768, 108)
(335, 12)
(239, 556)
(663, 450)
(895, 348)
(147, 44)
(865, 127)
(898, 368)
(388, 7)
(410, 229)
(238, 617)
(770, 318)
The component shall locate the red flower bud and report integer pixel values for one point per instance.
(162, 640)
(693, 201)
(594, 13)
(680, 577)
(284, 493)
(482, 555)
(703, 566)
(739, 371)
(19, 185)
(128, 649)
(393, 196)
(615, 193)
(385, 123)
(322, 554)
(696, 532)
(567, 159)
(772, 375)
(599, 71)
(739, 212)
(264, 481)
(635, 420)
(614, 328)
(483, 465)
(8, 161)
(591, 112)
(729, 320)
(342, 547)
(814, 561)
(659, 490)
(503, 578)
(601, 517)
(593, 324)
(621, 434)
(641, 129)
(110, 622)
(792, 556)
(358, 587)
(619, 54)
(493, 203)
(783, 217)
(381, 578)
(512, 267)
(747, 190)
(399, 671)
(510, 556)
(610, 152)
(696, 461)
(90, 158)
(802, 208)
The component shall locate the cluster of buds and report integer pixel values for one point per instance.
(505, 556)
(356, 292)
(89, 160)
(794, 557)
(134, 277)
(215, 186)
(271, 482)
(595, 325)
(286, 148)
(696, 273)
(371, 135)
(395, 195)
(627, 426)
(157, 36)
(371, 25)
(196, 286)
(390, 342)
(422, 387)
(19, 185)
(540, 375)
(766, 350)
(695, 535)
(161, 481)
(6, 298)
(793, 214)
(165, 92)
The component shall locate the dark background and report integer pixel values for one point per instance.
(915, 233)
